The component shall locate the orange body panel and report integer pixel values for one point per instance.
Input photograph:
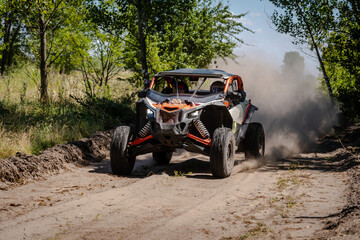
(152, 82)
(247, 111)
(140, 140)
(171, 107)
(203, 141)
(240, 83)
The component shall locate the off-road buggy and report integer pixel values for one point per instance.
(200, 110)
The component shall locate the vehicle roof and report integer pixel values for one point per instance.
(188, 72)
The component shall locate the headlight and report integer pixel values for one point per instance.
(150, 113)
(194, 114)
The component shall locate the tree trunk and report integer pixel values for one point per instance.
(43, 66)
(11, 50)
(11, 30)
(6, 38)
(327, 81)
(3, 61)
(142, 44)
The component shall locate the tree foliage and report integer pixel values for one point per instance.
(102, 65)
(175, 33)
(293, 64)
(289, 20)
(11, 32)
(336, 28)
(342, 56)
(100, 37)
(50, 24)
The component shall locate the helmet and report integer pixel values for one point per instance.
(217, 86)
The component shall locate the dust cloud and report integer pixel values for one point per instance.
(292, 109)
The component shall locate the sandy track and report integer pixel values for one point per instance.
(281, 199)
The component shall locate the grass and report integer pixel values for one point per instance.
(10, 143)
(30, 127)
(290, 202)
(283, 183)
(272, 201)
(294, 166)
(284, 203)
(97, 217)
(181, 174)
(256, 231)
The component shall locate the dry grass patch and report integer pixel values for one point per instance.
(12, 142)
(260, 230)
(28, 126)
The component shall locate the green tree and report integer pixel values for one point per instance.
(102, 65)
(293, 64)
(50, 24)
(342, 57)
(128, 20)
(307, 21)
(169, 33)
(332, 28)
(197, 37)
(11, 28)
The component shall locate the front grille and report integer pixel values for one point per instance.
(168, 117)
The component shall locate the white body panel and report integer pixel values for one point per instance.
(238, 112)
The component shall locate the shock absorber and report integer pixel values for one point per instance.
(201, 128)
(145, 130)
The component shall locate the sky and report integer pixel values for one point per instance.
(265, 42)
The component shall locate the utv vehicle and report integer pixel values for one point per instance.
(200, 110)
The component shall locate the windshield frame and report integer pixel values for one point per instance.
(160, 97)
(228, 80)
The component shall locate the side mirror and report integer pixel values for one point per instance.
(141, 94)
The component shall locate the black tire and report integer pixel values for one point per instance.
(222, 152)
(254, 142)
(163, 157)
(120, 161)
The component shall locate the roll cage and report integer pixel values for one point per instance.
(195, 74)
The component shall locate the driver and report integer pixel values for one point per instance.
(182, 87)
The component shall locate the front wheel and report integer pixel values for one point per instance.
(222, 152)
(254, 142)
(120, 160)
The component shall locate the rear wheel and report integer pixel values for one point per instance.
(163, 157)
(222, 152)
(254, 142)
(120, 160)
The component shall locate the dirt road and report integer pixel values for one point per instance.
(279, 199)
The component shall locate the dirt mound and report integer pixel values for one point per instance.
(22, 167)
(347, 224)
(348, 137)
